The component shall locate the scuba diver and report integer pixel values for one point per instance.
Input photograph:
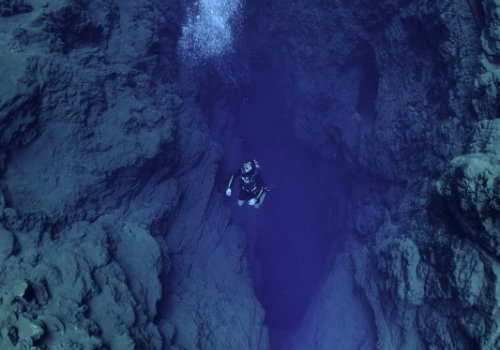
(252, 189)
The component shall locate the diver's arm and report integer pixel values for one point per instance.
(231, 179)
(230, 183)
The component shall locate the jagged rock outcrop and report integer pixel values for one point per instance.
(469, 191)
(441, 275)
(63, 290)
(63, 144)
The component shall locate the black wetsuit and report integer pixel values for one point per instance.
(251, 184)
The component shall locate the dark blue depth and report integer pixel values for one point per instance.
(302, 220)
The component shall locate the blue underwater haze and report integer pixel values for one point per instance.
(376, 128)
(300, 222)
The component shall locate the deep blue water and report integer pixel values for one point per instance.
(290, 238)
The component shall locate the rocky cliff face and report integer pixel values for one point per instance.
(432, 280)
(394, 93)
(436, 271)
(102, 150)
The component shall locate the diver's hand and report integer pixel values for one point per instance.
(228, 192)
(252, 201)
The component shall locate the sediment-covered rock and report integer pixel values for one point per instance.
(442, 275)
(100, 149)
(469, 192)
(64, 290)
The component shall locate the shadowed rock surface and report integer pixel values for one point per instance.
(103, 152)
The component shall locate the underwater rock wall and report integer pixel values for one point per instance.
(106, 175)
(443, 292)
(70, 110)
(111, 233)
(425, 234)
(433, 279)
(429, 263)
(373, 80)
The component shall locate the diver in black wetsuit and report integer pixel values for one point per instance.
(252, 189)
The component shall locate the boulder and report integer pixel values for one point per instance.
(469, 190)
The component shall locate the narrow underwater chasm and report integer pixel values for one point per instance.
(320, 92)
(292, 236)
(115, 232)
